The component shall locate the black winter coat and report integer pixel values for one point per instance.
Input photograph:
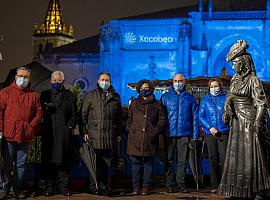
(102, 117)
(60, 114)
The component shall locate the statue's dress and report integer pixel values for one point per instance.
(246, 165)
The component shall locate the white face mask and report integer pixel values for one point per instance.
(104, 85)
(22, 82)
(178, 86)
(215, 91)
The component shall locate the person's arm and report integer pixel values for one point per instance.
(38, 112)
(130, 115)
(85, 113)
(195, 112)
(74, 113)
(161, 119)
(259, 99)
(3, 104)
(202, 115)
(119, 115)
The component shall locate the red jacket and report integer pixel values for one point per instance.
(20, 113)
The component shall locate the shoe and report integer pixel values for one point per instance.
(170, 190)
(67, 193)
(49, 193)
(136, 190)
(94, 192)
(23, 194)
(146, 190)
(182, 189)
(213, 191)
(106, 192)
(3, 195)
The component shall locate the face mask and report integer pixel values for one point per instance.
(144, 93)
(22, 82)
(104, 85)
(215, 91)
(178, 86)
(57, 86)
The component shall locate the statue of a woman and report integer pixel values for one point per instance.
(246, 167)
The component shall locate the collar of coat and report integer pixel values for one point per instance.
(148, 100)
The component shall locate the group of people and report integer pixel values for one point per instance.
(233, 126)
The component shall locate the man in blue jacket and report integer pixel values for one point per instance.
(182, 113)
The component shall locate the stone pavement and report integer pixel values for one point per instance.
(158, 194)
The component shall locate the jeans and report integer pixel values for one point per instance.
(216, 152)
(14, 153)
(139, 162)
(180, 144)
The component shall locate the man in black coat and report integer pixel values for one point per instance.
(60, 118)
(102, 120)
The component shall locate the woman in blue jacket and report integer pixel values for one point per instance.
(215, 131)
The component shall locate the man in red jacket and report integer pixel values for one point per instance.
(20, 113)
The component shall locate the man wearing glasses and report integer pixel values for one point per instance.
(20, 114)
(182, 113)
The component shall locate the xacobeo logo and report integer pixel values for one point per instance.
(130, 38)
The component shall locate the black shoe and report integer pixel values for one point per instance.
(170, 190)
(182, 189)
(106, 192)
(23, 194)
(33, 194)
(67, 193)
(48, 193)
(94, 191)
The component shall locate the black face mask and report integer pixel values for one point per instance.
(57, 86)
(144, 93)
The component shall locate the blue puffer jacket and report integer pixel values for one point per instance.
(182, 112)
(211, 111)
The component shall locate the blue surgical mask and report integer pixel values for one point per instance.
(57, 86)
(215, 91)
(178, 86)
(144, 93)
(22, 82)
(104, 85)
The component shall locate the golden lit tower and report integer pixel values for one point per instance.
(53, 32)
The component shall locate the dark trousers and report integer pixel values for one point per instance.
(14, 153)
(216, 153)
(180, 144)
(142, 164)
(103, 168)
(57, 177)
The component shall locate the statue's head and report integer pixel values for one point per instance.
(240, 58)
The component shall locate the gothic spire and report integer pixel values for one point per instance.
(54, 23)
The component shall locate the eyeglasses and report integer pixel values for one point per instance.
(22, 76)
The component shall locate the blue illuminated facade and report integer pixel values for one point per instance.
(196, 46)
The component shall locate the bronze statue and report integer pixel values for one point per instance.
(246, 167)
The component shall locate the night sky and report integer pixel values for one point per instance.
(17, 19)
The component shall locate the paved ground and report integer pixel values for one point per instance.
(158, 194)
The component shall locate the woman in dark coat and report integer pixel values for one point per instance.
(246, 168)
(215, 131)
(146, 119)
(60, 118)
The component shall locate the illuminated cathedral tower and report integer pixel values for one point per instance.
(53, 32)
